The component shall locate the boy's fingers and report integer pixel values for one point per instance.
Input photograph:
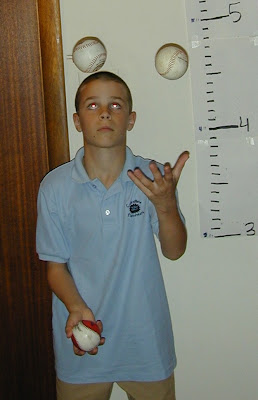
(93, 352)
(100, 325)
(179, 165)
(78, 352)
(141, 182)
(156, 172)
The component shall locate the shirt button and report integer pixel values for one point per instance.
(107, 212)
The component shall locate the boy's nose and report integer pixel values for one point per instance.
(105, 114)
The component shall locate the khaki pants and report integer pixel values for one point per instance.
(160, 390)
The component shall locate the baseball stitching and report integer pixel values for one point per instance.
(172, 62)
(85, 45)
(94, 60)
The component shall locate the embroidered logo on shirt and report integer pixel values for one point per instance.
(134, 208)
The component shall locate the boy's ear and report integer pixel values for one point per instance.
(131, 121)
(77, 123)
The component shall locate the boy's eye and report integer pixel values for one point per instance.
(92, 106)
(115, 106)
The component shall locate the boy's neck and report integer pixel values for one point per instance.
(104, 164)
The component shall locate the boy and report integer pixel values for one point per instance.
(97, 216)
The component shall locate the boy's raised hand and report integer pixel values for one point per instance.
(160, 190)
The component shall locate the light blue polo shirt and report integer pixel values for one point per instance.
(106, 237)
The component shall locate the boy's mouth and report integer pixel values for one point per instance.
(105, 128)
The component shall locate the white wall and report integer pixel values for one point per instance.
(212, 289)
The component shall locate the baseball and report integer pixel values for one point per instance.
(86, 335)
(89, 54)
(171, 61)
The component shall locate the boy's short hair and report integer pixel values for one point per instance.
(105, 76)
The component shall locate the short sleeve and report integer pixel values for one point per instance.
(51, 244)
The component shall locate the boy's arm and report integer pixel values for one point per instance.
(161, 192)
(172, 233)
(62, 284)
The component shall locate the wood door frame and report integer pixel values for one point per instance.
(53, 82)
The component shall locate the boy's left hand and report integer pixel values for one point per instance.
(160, 190)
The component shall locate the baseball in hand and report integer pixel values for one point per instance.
(171, 61)
(86, 335)
(89, 54)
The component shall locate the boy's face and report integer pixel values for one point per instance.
(103, 115)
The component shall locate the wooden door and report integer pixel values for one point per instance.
(28, 125)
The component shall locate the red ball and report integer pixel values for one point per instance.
(92, 325)
(86, 335)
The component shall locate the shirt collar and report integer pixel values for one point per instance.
(80, 175)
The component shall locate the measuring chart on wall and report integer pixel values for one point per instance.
(223, 43)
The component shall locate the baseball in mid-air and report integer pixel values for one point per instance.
(171, 61)
(89, 54)
(86, 335)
